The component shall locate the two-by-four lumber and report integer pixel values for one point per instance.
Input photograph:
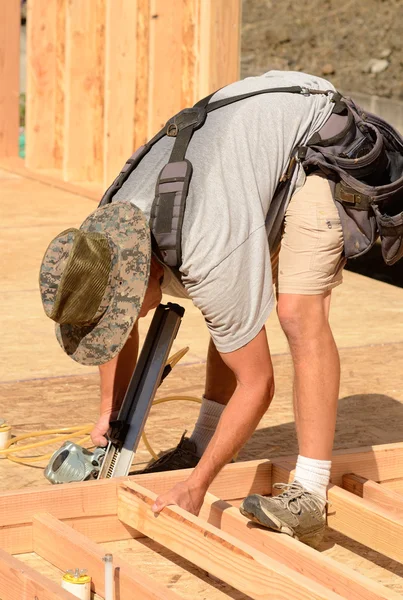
(362, 520)
(370, 490)
(218, 552)
(320, 568)
(396, 485)
(9, 76)
(65, 548)
(85, 504)
(20, 582)
(373, 462)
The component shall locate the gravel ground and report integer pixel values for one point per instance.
(358, 45)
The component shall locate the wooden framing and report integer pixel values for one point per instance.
(104, 75)
(260, 563)
(9, 77)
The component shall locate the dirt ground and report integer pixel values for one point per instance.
(336, 39)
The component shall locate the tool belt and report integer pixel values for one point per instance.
(360, 153)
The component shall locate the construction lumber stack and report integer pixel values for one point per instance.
(67, 524)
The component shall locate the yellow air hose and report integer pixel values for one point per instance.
(79, 431)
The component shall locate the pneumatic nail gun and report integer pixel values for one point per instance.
(74, 463)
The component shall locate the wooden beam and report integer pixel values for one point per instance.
(84, 91)
(221, 554)
(373, 462)
(19, 582)
(120, 84)
(236, 480)
(396, 485)
(305, 560)
(365, 488)
(220, 27)
(51, 535)
(9, 76)
(362, 520)
(165, 67)
(366, 522)
(83, 505)
(141, 109)
(42, 71)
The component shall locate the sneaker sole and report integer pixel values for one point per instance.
(313, 539)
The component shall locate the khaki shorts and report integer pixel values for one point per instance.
(310, 259)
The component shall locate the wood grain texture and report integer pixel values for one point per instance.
(84, 91)
(366, 522)
(165, 70)
(370, 490)
(395, 485)
(41, 106)
(220, 26)
(377, 463)
(141, 108)
(20, 582)
(120, 84)
(50, 535)
(295, 555)
(9, 76)
(224, 556)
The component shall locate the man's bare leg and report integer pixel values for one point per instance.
(220, 386)
(304, 320)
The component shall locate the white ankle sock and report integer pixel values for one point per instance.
(313, 474)
(210, 413)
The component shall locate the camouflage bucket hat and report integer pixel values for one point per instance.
(93, 281)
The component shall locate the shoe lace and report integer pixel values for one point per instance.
(294, 497)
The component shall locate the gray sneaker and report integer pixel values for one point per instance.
(182, 457)
(296, 512)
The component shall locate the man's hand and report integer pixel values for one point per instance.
(188, 497)
(101, 428)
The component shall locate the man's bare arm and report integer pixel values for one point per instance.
(253, 370)
(115, 376)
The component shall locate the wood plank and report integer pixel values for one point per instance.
(17, 539)
(120, 84)
(365, 488)
(97, 498)
(141, 110)
(395, 485)
(42, 40)
(165, 70)
(307, 561)
(84, 91)
(9, 76)
(366, 522)
(83, 505)
(50, 535)
(19, 582)
(221, 554)
(236, 480)
(377, 463)
(220, 26)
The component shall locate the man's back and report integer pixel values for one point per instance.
(230, 222)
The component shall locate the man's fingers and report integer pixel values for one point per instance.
(160, 503)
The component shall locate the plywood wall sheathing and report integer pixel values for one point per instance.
(9, 76)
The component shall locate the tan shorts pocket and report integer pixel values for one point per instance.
(327, 254)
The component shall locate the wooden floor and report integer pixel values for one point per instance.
(41, 388)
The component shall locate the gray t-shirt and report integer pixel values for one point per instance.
(233, 217)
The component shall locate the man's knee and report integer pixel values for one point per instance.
(301, 315)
